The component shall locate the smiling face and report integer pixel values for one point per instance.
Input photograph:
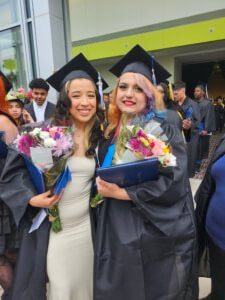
(15, 109)
(83, 99)
(130, 97)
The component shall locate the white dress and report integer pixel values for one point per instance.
(70, 252)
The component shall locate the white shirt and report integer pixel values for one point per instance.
(40, 111)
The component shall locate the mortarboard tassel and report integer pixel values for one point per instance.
(206, 91)
(170, 88)
(100, 89)
(153, 72)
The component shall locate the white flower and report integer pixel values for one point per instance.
(170, 160)
(44, 135)
(36, 131)
(49, 142)
(130, 127)
(150, 136)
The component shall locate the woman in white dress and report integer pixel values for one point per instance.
(70, 252)
(65, 257)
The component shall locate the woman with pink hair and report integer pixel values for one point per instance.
(146, 237)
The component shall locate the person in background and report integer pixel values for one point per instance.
(172, 114)
(111, 96)
(40, 108)
(210, 207)
(219, 111)
(9, 239)
(106, 108)
(16, 109)
(191, 120)
(207, 124)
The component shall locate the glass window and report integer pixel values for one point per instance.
(9, 13)
(12, 56)
(28, 11)
(32, 53)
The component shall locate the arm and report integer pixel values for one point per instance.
(17, 189)
(9, 128)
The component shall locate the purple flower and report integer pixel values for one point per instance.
(57, 136)
(142, 134)
(63, 146)
(45, 129)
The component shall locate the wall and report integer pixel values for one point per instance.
(50, 38)
(93, 18)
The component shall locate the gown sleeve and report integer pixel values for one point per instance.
(195, 117)
(16, 186)
(210, 119)
(161, 201)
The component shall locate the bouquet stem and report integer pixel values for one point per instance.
(95, 201)
(55, 219)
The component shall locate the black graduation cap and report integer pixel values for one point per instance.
(78, 67)
(137, 60)
(8, 84)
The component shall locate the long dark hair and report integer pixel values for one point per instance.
(62, 117)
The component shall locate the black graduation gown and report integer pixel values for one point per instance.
(202, 198)
(219, 112)
(192, 144)
(16, 190)
(207, 117)
(146, 248)
(9, 237)
(173, 114)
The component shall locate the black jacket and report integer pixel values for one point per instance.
(202, 198)
(49, 111)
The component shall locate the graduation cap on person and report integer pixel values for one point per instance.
(137, 60)
(78, 67)
(8, 84)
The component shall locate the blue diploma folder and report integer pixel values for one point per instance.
(37, 177)
(132, 173)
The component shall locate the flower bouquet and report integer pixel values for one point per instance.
(46, 151)
(138, 144)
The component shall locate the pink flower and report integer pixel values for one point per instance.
(21, 90)
(146, 152)
(29, 95)
(25, 143)
(134, 144)
(142, 134)
(157, 150)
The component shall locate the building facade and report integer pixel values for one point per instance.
(188, 38)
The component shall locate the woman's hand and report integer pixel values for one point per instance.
(111, 190)
(27, 117)
(45, 200)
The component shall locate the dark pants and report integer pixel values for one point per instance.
(217, 266)
(192, 151)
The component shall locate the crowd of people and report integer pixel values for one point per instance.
(142, 241)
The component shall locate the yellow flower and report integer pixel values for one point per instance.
(166, 149)
(144, 141)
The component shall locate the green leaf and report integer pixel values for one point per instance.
(95, 201)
